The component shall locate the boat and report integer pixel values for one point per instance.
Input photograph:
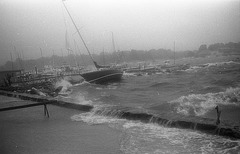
(103, 74)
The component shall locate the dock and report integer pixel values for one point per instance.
(210, 128)
(40, 101)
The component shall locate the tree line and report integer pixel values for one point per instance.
(123, 56)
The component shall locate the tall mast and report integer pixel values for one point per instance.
(23, 61)
(53, 58)
(174, 51)
(103, 56)
(78, 31)
(18, 58)
(114, 50)
(11, 59)
(42, 57)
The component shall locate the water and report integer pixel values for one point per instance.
(189, 95)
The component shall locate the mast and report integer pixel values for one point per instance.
(62, 53)
(174, 51)
(116, 57)
(114, 49)
(23, 61)
(42, 57)
(18, 58)
(103, 57)
(78, 31)
(11, 59)
(53, 59)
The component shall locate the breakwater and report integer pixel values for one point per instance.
(127, 113)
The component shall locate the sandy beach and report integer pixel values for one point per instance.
(29, 131)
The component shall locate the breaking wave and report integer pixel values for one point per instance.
(221, 63)
(140, 137)
(152, 138)
(98, 115)
(200, 104)
(210, 65)
(64, 83)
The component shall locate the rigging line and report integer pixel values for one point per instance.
(64, 18)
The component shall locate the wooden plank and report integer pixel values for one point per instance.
(21, 106)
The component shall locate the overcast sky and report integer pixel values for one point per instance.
(29, 25)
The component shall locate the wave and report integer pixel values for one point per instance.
(111, 87)
(63, 83)
(200, 104)
(158, 84)
(80, 99)
(193, 69)
(99, 114)
(222, 63)
(210, 65)
(168, 85)
(143, 134)
(152, 138)
(103, 113)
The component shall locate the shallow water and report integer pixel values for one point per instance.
(189, 95)
(29, 131)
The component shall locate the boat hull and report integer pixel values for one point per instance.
(103, 76)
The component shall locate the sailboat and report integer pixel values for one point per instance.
(102, 74)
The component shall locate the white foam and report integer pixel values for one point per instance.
(63, 83)
(207, 65)
(140, 137)
(93, 118)
(221, 63)
(80, 99)
(199, 104)
(152, 138)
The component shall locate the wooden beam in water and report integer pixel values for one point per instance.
(26, 106)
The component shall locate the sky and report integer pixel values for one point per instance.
(28, 26)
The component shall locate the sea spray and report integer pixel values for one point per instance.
(80, 99)
(63, 83)
(141, 137)
(100, 114)
(200, 104)
(152, 138)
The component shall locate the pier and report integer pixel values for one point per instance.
(210, 128)
(40, 100)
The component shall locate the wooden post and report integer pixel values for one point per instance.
(218, 115)
(27, 106)
(46, 111)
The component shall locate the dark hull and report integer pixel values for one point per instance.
(103, 76)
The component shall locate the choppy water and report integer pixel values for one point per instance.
(189, 95)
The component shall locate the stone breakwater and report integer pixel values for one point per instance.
(233, 133)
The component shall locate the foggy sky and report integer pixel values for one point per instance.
(28, 25)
